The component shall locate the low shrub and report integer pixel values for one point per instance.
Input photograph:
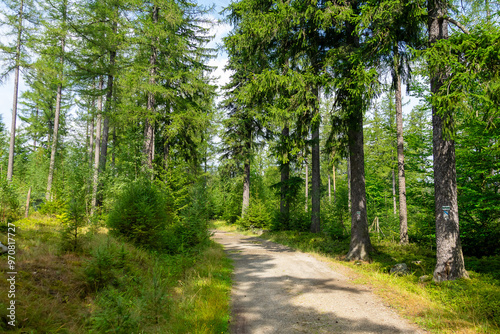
(142, 213)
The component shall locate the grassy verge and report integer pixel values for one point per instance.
(112, 286)
(462, 306)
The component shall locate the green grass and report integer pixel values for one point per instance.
(461, 306)
(112, 286)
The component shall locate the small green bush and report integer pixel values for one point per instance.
(73, 219)
(52, 208)
(142, 214)
(256, 216)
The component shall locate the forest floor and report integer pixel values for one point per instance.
(279, 290)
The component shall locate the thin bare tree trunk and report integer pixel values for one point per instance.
(307, 185)
(95, 180)
(53, 152)
(91, 139)
(349, 182)
(329, 189)
(450, 260)
(246, 188)
(394, 210)
(27, 211)
(10, 166)
(285, 177)
(334, 185)
(105, 128)
(403, 216)
(149, 135)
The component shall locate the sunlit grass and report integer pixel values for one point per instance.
(113, 286)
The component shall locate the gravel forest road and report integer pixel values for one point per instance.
(279, 290)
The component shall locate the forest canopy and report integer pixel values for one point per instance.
(123, 124)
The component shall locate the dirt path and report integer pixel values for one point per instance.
(279, 290)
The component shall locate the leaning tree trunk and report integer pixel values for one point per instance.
(450, 261)
(360, 245)
(285, 177)
(10, 165)
(403, 216)
(56, 121)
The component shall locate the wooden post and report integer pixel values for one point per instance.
(28, 204)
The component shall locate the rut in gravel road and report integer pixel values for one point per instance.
(279, 290)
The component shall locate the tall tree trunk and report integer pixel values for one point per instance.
(95, 180)
(329, 189)
(27, 209)
(57, 115)
(10, 166)
(285, 177)
(360, 245)
(334, 185)
(450, 261)
(105, 128)
(394, 210)
(315, 175)
(246, 188)
(149, 139)
(91, 137)
(307, 186)
(403, 216)
(349, 182)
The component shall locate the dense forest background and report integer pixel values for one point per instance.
(122, 123)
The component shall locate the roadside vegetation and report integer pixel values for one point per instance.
(109, 285)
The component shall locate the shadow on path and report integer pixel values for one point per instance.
(279, 290)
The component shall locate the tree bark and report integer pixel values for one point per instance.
(10, 165)
(360, 245)
(285, 177)
(95, 181)
(91, 138)
(27, 210)
(246, 188)
(349, 183)
(450, 261)
(307, 186)
(57, 115)
(403, 216)
(334, 185)
(329, 189)
(105, 128)
(394, 210)
(316, 176)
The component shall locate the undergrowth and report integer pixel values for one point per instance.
(461, 306)
(111, 286)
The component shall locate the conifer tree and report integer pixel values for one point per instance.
(17, 15)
